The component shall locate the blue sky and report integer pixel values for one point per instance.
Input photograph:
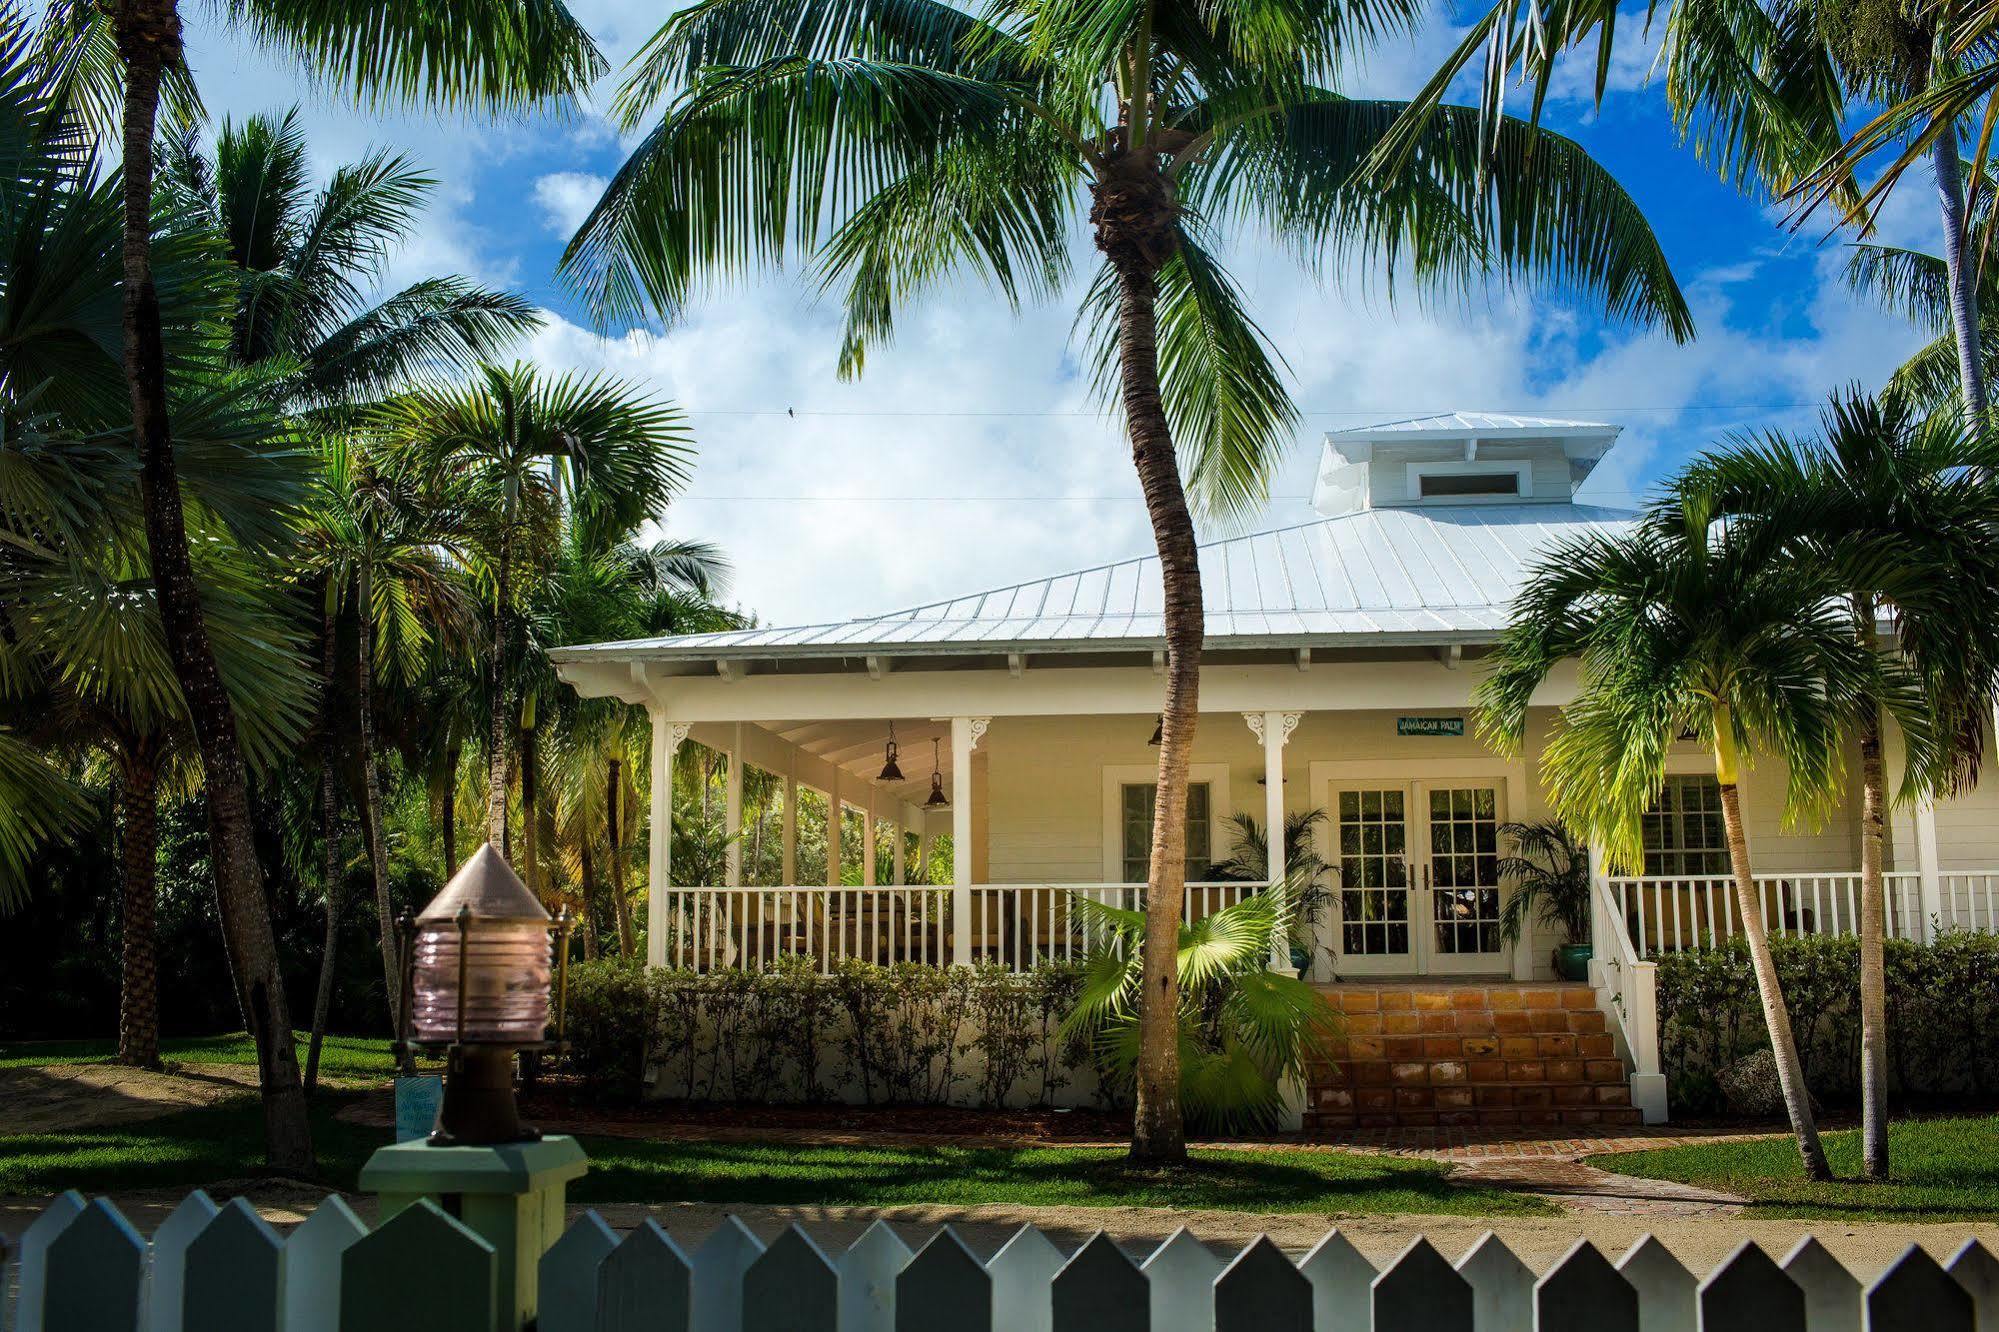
(972, 454)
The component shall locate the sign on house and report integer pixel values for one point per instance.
(1429, 726)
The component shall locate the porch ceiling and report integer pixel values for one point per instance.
(856, 747)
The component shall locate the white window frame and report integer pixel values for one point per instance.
(1522, 473)
(1118, 776)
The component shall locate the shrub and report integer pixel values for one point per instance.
(1943, 1008)
(906, 1033)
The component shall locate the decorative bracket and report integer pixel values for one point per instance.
(675, 733)
(1287, 723)
(979, 725)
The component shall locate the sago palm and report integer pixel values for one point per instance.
(894, 145)
(1687, 623)
(507, 53)
(1904, 512)
(532, 454)
(1242, 1031)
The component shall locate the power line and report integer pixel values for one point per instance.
(1378, 412)
(1016, 499)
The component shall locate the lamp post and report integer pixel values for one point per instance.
(476, 975)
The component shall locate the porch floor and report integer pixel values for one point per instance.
(1465, 1052)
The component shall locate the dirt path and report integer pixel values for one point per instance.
(54, 1098)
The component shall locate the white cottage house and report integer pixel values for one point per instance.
(1340, 659)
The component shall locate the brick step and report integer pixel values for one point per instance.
(1326, 1124)
(1478, 1055)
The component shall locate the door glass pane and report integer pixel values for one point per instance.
(1464, 821)
(1374, 876)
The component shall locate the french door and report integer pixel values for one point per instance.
(1418, 866)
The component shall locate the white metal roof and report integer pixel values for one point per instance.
(1485, 424)
(1379, 575)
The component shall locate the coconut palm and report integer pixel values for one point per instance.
(1687, 623)
(1242, 1031)
(532, 453)
(306, 260)
(1904, 510)
(1916, 285)
(1762, 91)
(502, 53)
(891, 145)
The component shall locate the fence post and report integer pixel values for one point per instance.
(1648, 1080)
(1930, 892)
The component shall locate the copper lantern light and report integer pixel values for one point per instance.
(476, 977)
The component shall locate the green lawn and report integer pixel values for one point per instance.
(339, 1056)
(222, 1142)
(1944, 1170)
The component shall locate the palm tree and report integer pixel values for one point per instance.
(376, 539)
(85, 640)
(1242, 1030)
(1763, 91)
(532, 453)
(597, 593)
(1687, 623)
(899, 143)
(457, 52)
(1916, 285)
(304, 262)
(1904, 511)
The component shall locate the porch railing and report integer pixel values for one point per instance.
(1016, 925)
(1669, 913)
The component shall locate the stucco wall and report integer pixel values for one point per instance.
(1047, 780)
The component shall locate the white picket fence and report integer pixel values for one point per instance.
(1016, 925)
(1668, 913)
(83, 1268)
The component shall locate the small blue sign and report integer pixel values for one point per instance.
(416, 1105)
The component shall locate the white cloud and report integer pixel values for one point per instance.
(566, 197)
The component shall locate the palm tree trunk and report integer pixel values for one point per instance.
(1777, 1017)
(1158, 1131)
(530, 866)
(330, 878)
(138, 852)
(148, 36)
(498, 718)
(1963, 277)
(588, 924)
(371, 806)
(1873, 926)
(614, 800)
(449, 814)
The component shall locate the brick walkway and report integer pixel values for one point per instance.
(1484, 1144)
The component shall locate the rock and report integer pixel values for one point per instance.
(1750, 1086)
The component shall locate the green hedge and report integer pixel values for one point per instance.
(1943, 1017)
(902, 1034)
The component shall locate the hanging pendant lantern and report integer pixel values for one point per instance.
(937, 797)
(891, 771)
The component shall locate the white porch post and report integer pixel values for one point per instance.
(732, 812)
(868, 842)
(1274, 730)
(1931, 877)
(835, 817)
(790, 832)
(901, 856)
(965, 733)
(666, 738)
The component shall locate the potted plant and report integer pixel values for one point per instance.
(1549, 870)
(1304, 874)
